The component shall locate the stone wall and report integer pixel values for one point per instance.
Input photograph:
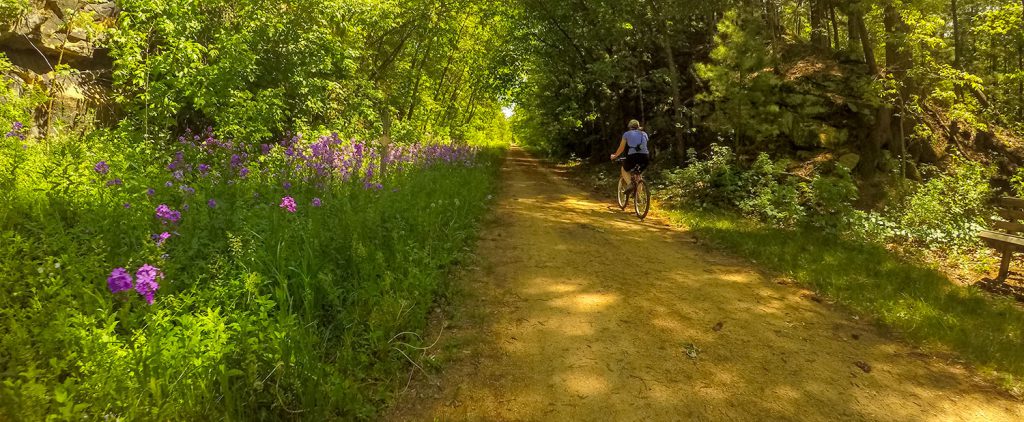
(42, 38)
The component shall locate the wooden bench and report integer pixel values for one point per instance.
(1005, 236)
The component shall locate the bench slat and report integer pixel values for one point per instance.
(1010, 214)
(1001, 238)
(1009, 227)
(1011, 202)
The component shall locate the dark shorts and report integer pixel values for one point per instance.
(637, 160)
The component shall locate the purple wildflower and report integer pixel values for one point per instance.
(178, 175)
(119, 280)
(243, 172)
(317, 202)
(150, 192)
(146, 283)
(211, 203)
(101, 167)
(187, 189)
(204, 168)
(265, 149)
(287, 185)
(16, 131)
(288, 203)
(185, 207)
(115, 182)
(169, 184)
(165, 213)
(127, 205)
(161, 238)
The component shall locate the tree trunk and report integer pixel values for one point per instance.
(1020, 82)
(819, 31)
(898, 62)
(835, 23)
(957, 46)
(772, 21)
(679, 148)
(871, 150)
(418, 78)
(865, 42)
(852, 37)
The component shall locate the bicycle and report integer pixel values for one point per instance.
(641, 196)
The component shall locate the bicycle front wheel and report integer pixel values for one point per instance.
(623, 198)
(642, 202)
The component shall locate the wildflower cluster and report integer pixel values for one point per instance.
(288, 203)
(17, 131)
(165, 213)
(202, 165)
(145, 283)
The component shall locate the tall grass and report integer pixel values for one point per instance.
(262, 314)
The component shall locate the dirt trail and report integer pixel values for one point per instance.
(579, 312)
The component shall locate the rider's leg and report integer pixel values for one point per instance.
(625, 176)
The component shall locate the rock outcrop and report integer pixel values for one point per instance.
(69, 32)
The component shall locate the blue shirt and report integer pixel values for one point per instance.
(636, 140)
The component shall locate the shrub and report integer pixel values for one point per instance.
(949, 209)
(763, 197)
(830, 202)
(709, 183)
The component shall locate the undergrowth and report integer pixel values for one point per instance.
(270, 282)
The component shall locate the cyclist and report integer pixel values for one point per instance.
(639, 156)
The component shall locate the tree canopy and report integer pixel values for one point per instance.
(911, 78)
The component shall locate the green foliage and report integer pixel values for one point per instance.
(591, 67)
(1000, 36)
(263, 313)
(16, 104)
(11, 11)
(830, 201)
(763, 191)
(763, 197)
(1017, 183)
(713, 182)
(746, 93)
(949, 209)
(252, 68)
(946, 211)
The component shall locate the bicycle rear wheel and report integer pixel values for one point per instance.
(642, 202)
(623, 198)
